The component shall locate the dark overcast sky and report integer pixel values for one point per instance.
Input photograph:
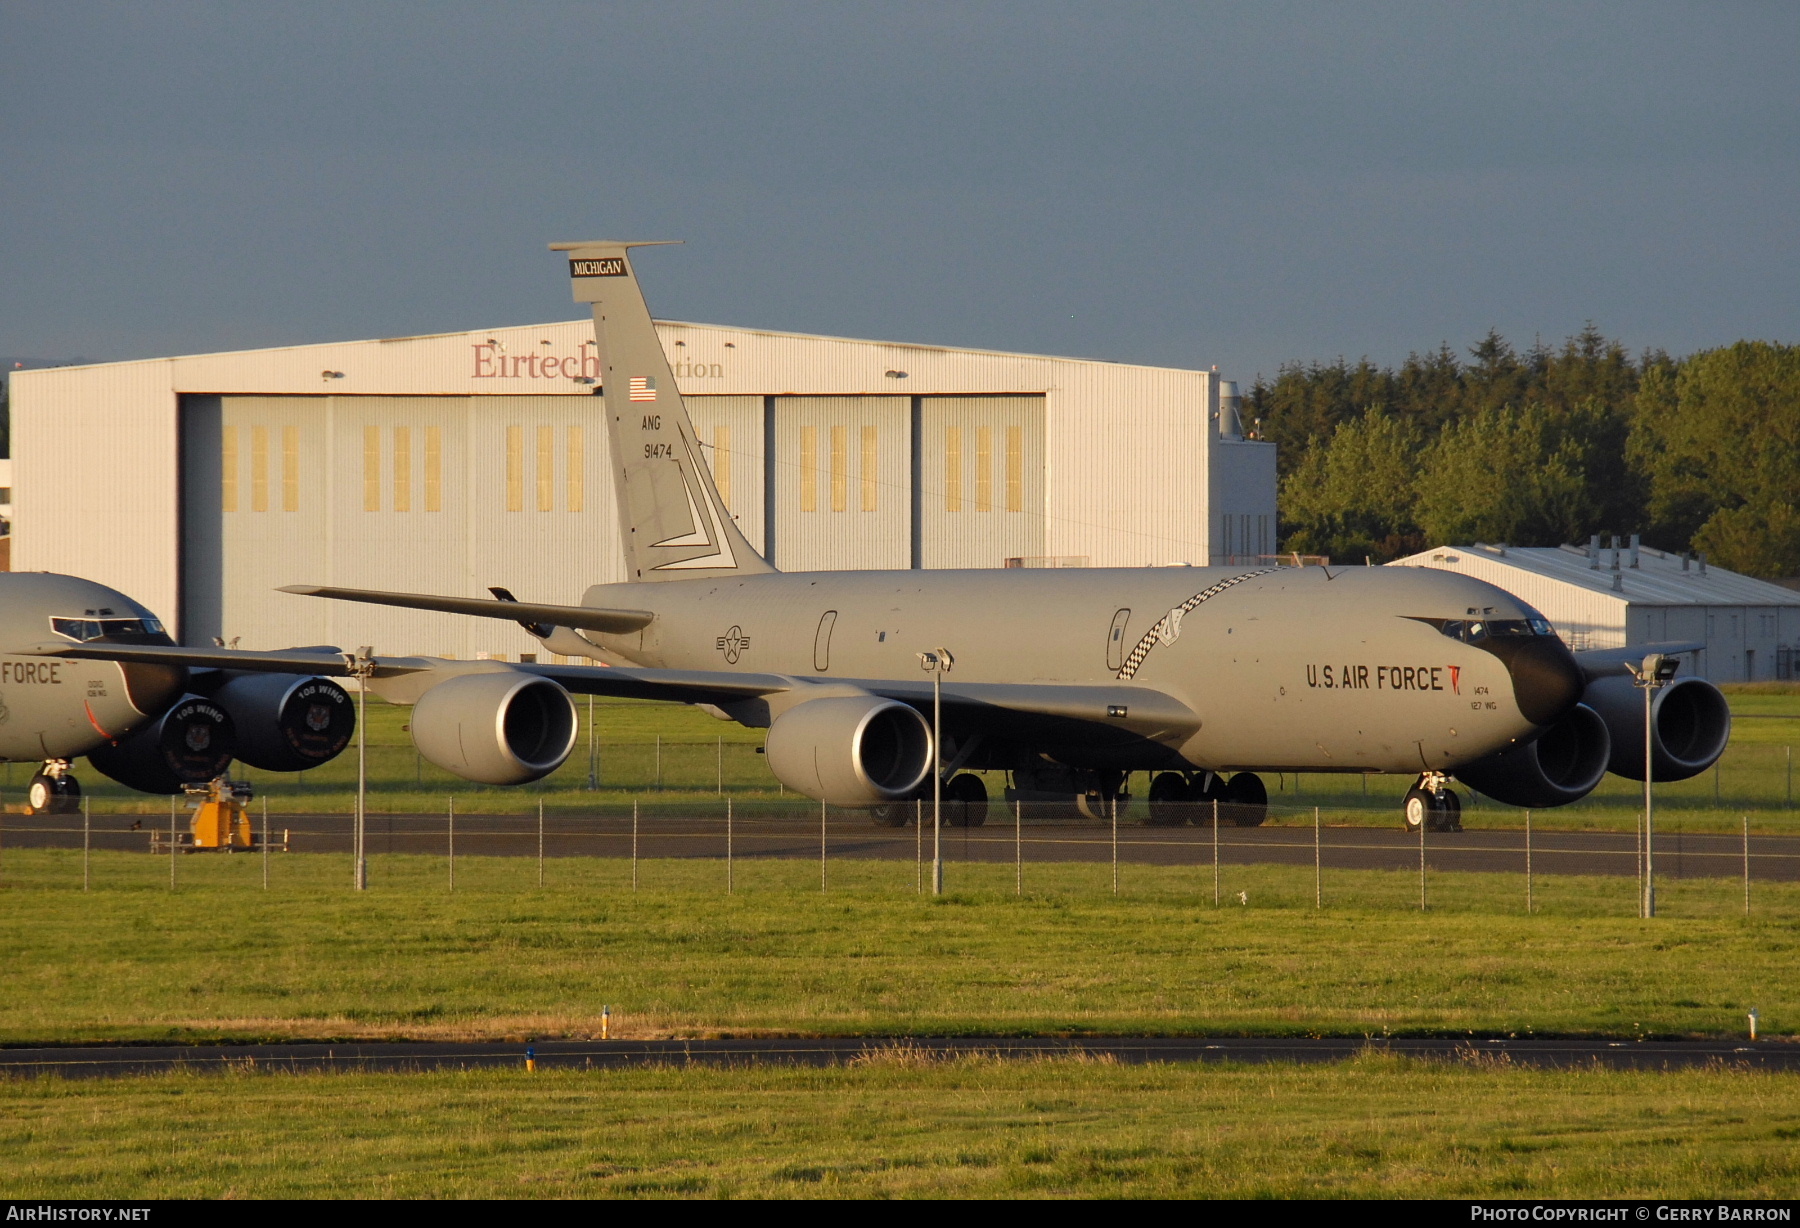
(1184, 184)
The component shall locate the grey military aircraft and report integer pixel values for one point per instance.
(1067, 680)
(155, 726)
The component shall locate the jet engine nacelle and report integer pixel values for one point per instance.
(501, 728)
(1561, 765)
(851, 750)
(1690, 723)
(287, 722)
(193, 741)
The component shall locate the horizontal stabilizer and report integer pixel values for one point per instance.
(586, 618)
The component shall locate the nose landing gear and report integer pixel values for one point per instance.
(1432, 804)
(53, 790)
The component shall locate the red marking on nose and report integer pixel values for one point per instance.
(85, 707)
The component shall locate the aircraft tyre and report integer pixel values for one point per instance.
(53, 794)
(1432, 811)
(1447, 816)
(965, 801)
(1248, 803)
(892, 814)
(1415, 810)
(1171, 798)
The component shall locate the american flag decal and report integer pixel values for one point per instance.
(643, 387)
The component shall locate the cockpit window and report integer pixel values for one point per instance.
(99, 628)
(1474, 630)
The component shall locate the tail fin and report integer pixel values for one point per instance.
(674, 524)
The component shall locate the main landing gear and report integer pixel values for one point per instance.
(965, 799)
(53, 790)
(1176, 799)
(1432, 805)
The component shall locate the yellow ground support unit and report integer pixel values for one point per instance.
(221, 821)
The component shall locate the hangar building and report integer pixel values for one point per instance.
(1625, 594)
(448, 463)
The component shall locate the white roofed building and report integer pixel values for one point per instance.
(1620, 595)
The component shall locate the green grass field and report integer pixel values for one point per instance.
(222, 959)
(899, 1126)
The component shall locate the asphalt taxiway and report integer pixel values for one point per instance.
(115, 1060)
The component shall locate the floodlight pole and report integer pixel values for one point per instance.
(1651, 676)
(361, 664)
(937, 663)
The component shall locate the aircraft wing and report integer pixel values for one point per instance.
(1025, 707)
(588, 618)
(324, 661)
(687, 686)
(1603, 662)
(1017, 708)
(420, 673)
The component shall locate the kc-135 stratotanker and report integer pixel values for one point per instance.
(1066, 680)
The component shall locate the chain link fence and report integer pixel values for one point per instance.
(734, 835)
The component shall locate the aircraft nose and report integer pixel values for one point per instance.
(1547, 681)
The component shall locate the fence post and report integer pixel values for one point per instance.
(1746, 865)
(720, 752)
(1529, 902)
(1318, 872)
(453, 844)
(1215, 835)
(1790, 778)
(1115, 844)
(171, 844)
(729, 886)
(540, 842)
(634, 844)
(1422, 867)
(86, 839)
(821, 845)
(659, 762)
(919, 845)
(265, 843)
(1018, 847)
(593, 774)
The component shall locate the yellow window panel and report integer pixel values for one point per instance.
(840, 469)
(228, 470)
(576, 477)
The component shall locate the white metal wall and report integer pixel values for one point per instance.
(95, 459)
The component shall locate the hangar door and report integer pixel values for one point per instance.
(411, 494)
(840, 471)
(981, 480)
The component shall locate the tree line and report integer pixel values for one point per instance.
(1540, 448)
